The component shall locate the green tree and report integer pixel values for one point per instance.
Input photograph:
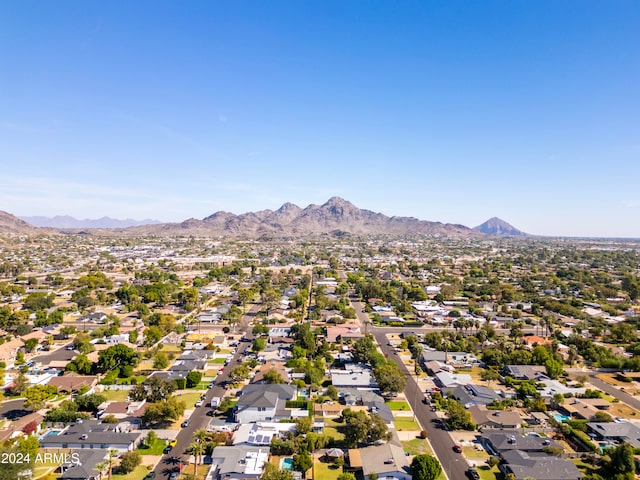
(553, 367)
(303, 425)
(37, 396)
(130, 461)
(30, 344)
(160, 361)
(346, 476)
(459, 417)
(193, 379)
(271, 472)
(302, 462)
(116, 355)
(90, 402)
(239, 373)
(389, 378)
(273, 376)
(259, 344)
(29, 445)
(425, 467)
(361, 428)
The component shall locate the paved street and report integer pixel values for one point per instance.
(453, 463)
(199, 418)
(61, 354)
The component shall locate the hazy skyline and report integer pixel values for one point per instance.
(445, 111)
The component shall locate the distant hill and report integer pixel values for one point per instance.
(335, 217)
(66, 221)
(12, 224)
(496, 226)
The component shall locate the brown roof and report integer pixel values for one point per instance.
(72, 382)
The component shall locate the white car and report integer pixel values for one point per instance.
(199, 403)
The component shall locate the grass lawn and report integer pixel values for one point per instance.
(189, 398)
(42, 468)
(116, 395)
(401, 406)
(585, 468)
(138, 474)
(326, 471)
(331, 429)
(155, 449)
(217, 360)
(405, 423)
(487, 473)
(622, 410)
(171, 348)
(471, 452)
(417, 446)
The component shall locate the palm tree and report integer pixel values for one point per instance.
(201, 436)
(100, 467)
(196, 449)
(112, 454)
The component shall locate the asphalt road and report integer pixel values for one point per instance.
(613, 391)
(197, 420)
(454, 464)
(13, 409)
(57, 355)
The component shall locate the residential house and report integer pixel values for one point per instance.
(526, 372)
(616, 432)
(72, 383)
(356, 376)
(451, 380)
(343, 332)
(385, 462)
(585, 408)
(471, 394)
(93, 434)
(498, 442)
(278, 367)
(82, 465)
(524, 465)
(485, 418)
(238, 462)
(260, 434)
(374, 403)
(263, 402)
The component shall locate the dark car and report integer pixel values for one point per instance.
(473, 474)
(150, 476)
(457, 448)
(167, 449)
(211, 413)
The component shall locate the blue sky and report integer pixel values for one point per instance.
(446, 111)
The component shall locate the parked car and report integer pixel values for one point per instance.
(199, 403)
(173, 442)
(185, 423)
(211, 413)
(167, 449)
(457, 448)
(473, 474)
(150, 476)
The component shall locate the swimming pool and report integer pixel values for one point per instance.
(560, 418)
(286, 464)
(50, 433)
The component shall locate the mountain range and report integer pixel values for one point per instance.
(335, 217)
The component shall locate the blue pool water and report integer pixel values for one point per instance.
(50, 433)
(560, 418)
(286, 464)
